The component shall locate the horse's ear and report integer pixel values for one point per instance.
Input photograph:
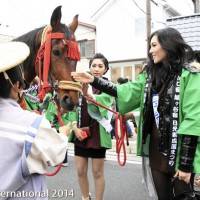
(74, 24)
(56, 17)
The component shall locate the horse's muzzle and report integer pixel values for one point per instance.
(67, 104)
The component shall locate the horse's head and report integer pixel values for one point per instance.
(59, 54)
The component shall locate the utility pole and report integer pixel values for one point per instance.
(196, 6)
(148, 21)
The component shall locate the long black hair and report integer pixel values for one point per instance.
(178, 53)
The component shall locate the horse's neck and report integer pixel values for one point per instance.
(30, 39)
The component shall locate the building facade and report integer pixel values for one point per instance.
(118, 30)
(121, 33)
(189, 27)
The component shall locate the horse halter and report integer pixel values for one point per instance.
(70, 85)
(44, 56)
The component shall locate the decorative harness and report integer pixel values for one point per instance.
(43, 60)
(42, 65)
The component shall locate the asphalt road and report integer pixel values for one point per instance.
(122, 183)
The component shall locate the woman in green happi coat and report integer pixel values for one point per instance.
(168, 95)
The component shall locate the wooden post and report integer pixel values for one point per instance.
(196, 6)
(148, 21)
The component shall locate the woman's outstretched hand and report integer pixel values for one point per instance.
(83, 77)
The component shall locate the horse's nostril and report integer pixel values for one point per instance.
(66, 103)
(65, 98)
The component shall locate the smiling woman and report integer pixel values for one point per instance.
(157, 52)
(167, 93)
(97, 124)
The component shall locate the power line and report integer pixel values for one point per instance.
(158, 3)
(154, 2)
(106, 2)
(141, 8)
(146, 12)
(138, 7)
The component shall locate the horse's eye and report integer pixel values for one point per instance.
(56, 52)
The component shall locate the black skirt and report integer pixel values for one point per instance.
(89, 152)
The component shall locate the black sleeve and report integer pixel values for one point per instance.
(105, 86)
(187, 152)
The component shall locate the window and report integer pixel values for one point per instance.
(138, 69)
(87, 48)
(82, 47)
(115, 74)
(128, 72)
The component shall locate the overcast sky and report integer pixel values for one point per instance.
(19, 16)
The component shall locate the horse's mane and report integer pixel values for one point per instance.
(30, 39)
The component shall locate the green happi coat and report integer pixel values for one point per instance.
(100, 113)
(49, 109)
(51, 113)
(131, 96)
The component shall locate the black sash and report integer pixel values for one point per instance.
(173, 139)
(174, 121)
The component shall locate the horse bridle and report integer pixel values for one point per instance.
(44, 55)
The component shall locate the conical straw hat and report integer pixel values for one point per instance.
(12, 54)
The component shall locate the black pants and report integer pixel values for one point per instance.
(168, 188)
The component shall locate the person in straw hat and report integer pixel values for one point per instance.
(28, 144)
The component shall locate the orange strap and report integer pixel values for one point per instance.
(44, 54)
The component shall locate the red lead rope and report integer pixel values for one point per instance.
(58, 167)
(120, 132)
(120, 135)
(53, 173)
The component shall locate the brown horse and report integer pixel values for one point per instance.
(53, 56)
